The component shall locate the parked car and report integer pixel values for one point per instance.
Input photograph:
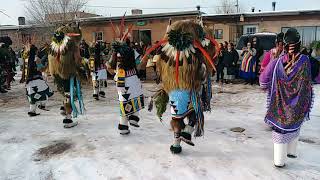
(266, 43)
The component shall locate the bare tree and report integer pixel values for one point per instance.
(227, 7)
(49, 12)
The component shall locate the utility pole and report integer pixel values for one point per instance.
(237, 5)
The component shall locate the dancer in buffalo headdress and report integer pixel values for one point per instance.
(131, 98)
(288, 81)
(37, 88)
(65, 67)
(184, 65)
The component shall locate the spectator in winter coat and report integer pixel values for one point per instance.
(230, 59)
(220, 66)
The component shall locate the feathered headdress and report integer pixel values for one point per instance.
(122, 33)
(120, 44)
(61, 38)
(180, 42)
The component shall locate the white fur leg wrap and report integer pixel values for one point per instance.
(124, 121)
(188, 129)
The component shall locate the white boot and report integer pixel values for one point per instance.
(32, 112)
(292, 148)
(68, 122)
(124, 126)
(33, 108)
(280, 154)
(42, 105)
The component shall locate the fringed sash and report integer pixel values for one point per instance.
(76, 89)
(196, 102)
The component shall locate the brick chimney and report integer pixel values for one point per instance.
(136, 11)
(274, 5)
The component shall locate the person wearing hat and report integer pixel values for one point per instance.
(274, 53)
(288, 82)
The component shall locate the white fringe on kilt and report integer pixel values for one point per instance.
(38, 90)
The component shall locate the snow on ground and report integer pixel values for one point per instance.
(94, 150)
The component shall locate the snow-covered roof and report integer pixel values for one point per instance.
(265, 34)
(16, 27)
(141, 16)
(267, 13)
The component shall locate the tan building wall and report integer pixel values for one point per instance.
(157, 27)
(20, 37)
(264, 25)
(275, 26)
(226, 32)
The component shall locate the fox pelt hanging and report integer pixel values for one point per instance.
(185, 47)
(64, 56)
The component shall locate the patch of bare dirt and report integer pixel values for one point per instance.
(54, 149)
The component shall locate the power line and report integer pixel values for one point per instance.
(2, 12)
(133, 7)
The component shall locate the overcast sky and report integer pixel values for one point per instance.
(15, 8)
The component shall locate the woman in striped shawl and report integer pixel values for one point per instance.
(248, 65)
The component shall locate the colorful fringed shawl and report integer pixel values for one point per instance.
(290, 96)
(248, 65)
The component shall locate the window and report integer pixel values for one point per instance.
(308, 34)
(218, 34)
(98, 36)
(250, 29)
(318, 34)
(142, 36)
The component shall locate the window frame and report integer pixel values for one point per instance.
(316, 35)
(252, 26)
(96, 35)
(218, 35)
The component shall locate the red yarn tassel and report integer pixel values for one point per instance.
(197, 44)
(154, 48)
(113, 30)
(177, 66)
(216, 45)
(122, 26)
(127, 33)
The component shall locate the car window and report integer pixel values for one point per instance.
(267, 42)
(241, 42)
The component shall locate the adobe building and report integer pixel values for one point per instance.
(147, 28)
(231, 26)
